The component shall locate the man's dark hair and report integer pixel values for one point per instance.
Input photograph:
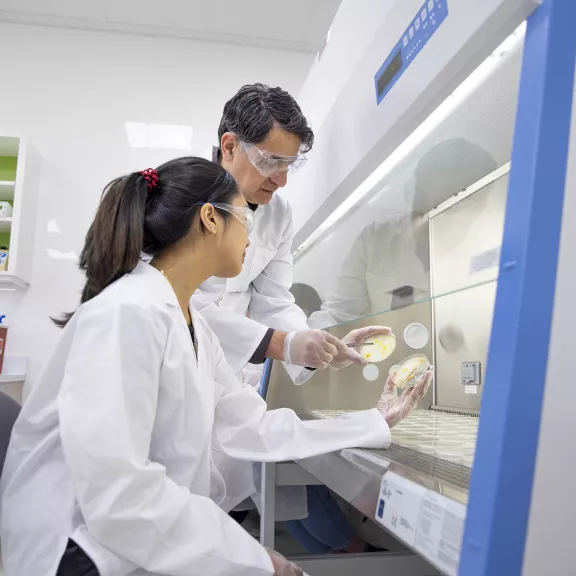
(254, 110)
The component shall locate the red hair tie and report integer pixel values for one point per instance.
(151, 176)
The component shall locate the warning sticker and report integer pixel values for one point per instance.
(440, 531)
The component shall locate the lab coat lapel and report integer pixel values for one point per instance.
(162, 290)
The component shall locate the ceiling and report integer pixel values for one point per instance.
(298, 25)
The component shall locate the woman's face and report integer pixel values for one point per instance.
(232, 240)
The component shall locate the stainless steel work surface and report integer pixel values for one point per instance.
(448, 437)
(433, 449)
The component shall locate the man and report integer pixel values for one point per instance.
(263, 135)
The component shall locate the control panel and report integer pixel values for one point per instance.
(420, 30)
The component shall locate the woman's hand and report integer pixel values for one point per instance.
(283, 567)
(395, 408)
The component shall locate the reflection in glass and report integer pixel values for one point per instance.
(388, 266)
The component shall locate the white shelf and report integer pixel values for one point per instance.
(7, 190)
(9, 280)
(5, 225)
(23, 193)
(6, 378)
(14, 369)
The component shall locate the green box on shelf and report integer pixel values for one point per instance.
(8, 168)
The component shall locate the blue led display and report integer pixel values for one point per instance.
(424, 24)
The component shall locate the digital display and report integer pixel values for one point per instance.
(390, 72)
(420, 29)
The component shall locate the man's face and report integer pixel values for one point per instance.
(258, 189)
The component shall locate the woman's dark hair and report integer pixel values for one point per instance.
(254, 110)
(133, 219)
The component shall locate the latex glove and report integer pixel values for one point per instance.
(347, 355)
(283, 567)
(310, 348)
(396, 408)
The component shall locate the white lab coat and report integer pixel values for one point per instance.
(240, 310)
(118, 445)
(385, 257)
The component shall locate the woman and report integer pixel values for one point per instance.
(109, 469)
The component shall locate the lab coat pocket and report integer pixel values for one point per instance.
(262, 257)
(257, 258)
(240, 283)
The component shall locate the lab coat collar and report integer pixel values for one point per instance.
(157, 283)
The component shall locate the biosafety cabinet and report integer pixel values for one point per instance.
(445, 208)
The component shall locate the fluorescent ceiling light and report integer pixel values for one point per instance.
(417, 137)
(161, 136)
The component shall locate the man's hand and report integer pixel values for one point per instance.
(347, 355)
(311, 348)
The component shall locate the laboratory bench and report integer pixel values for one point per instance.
(416, 490)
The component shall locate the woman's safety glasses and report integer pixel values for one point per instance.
(242, 213)
(270, 165)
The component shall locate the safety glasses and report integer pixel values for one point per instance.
(242, 213)
(270, 165)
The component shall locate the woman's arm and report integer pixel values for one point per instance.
(245, 430)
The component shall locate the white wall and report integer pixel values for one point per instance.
(351, 33)
(356, 134)
(72, 91)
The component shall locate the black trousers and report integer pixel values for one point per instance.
(75, 562)
(239, 516)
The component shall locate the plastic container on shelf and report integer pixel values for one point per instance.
(4, 254)
(5, 209)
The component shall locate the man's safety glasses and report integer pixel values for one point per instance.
(271, 165)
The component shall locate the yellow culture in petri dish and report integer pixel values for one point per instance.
(380, 347)
(404, 375)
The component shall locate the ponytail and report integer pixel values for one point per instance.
(115, 239)
(148, 212)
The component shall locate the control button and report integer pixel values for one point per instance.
(430, 5)
(423, 14)
(411, 32)
(417, 23)
(405, 41)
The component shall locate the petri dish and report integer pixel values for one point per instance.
(404, 375)
(416, 335)
(371, 372)
(379, 347)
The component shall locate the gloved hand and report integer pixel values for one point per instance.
(283, 567)
(310, 348)
(395, 408)
(347, 355)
